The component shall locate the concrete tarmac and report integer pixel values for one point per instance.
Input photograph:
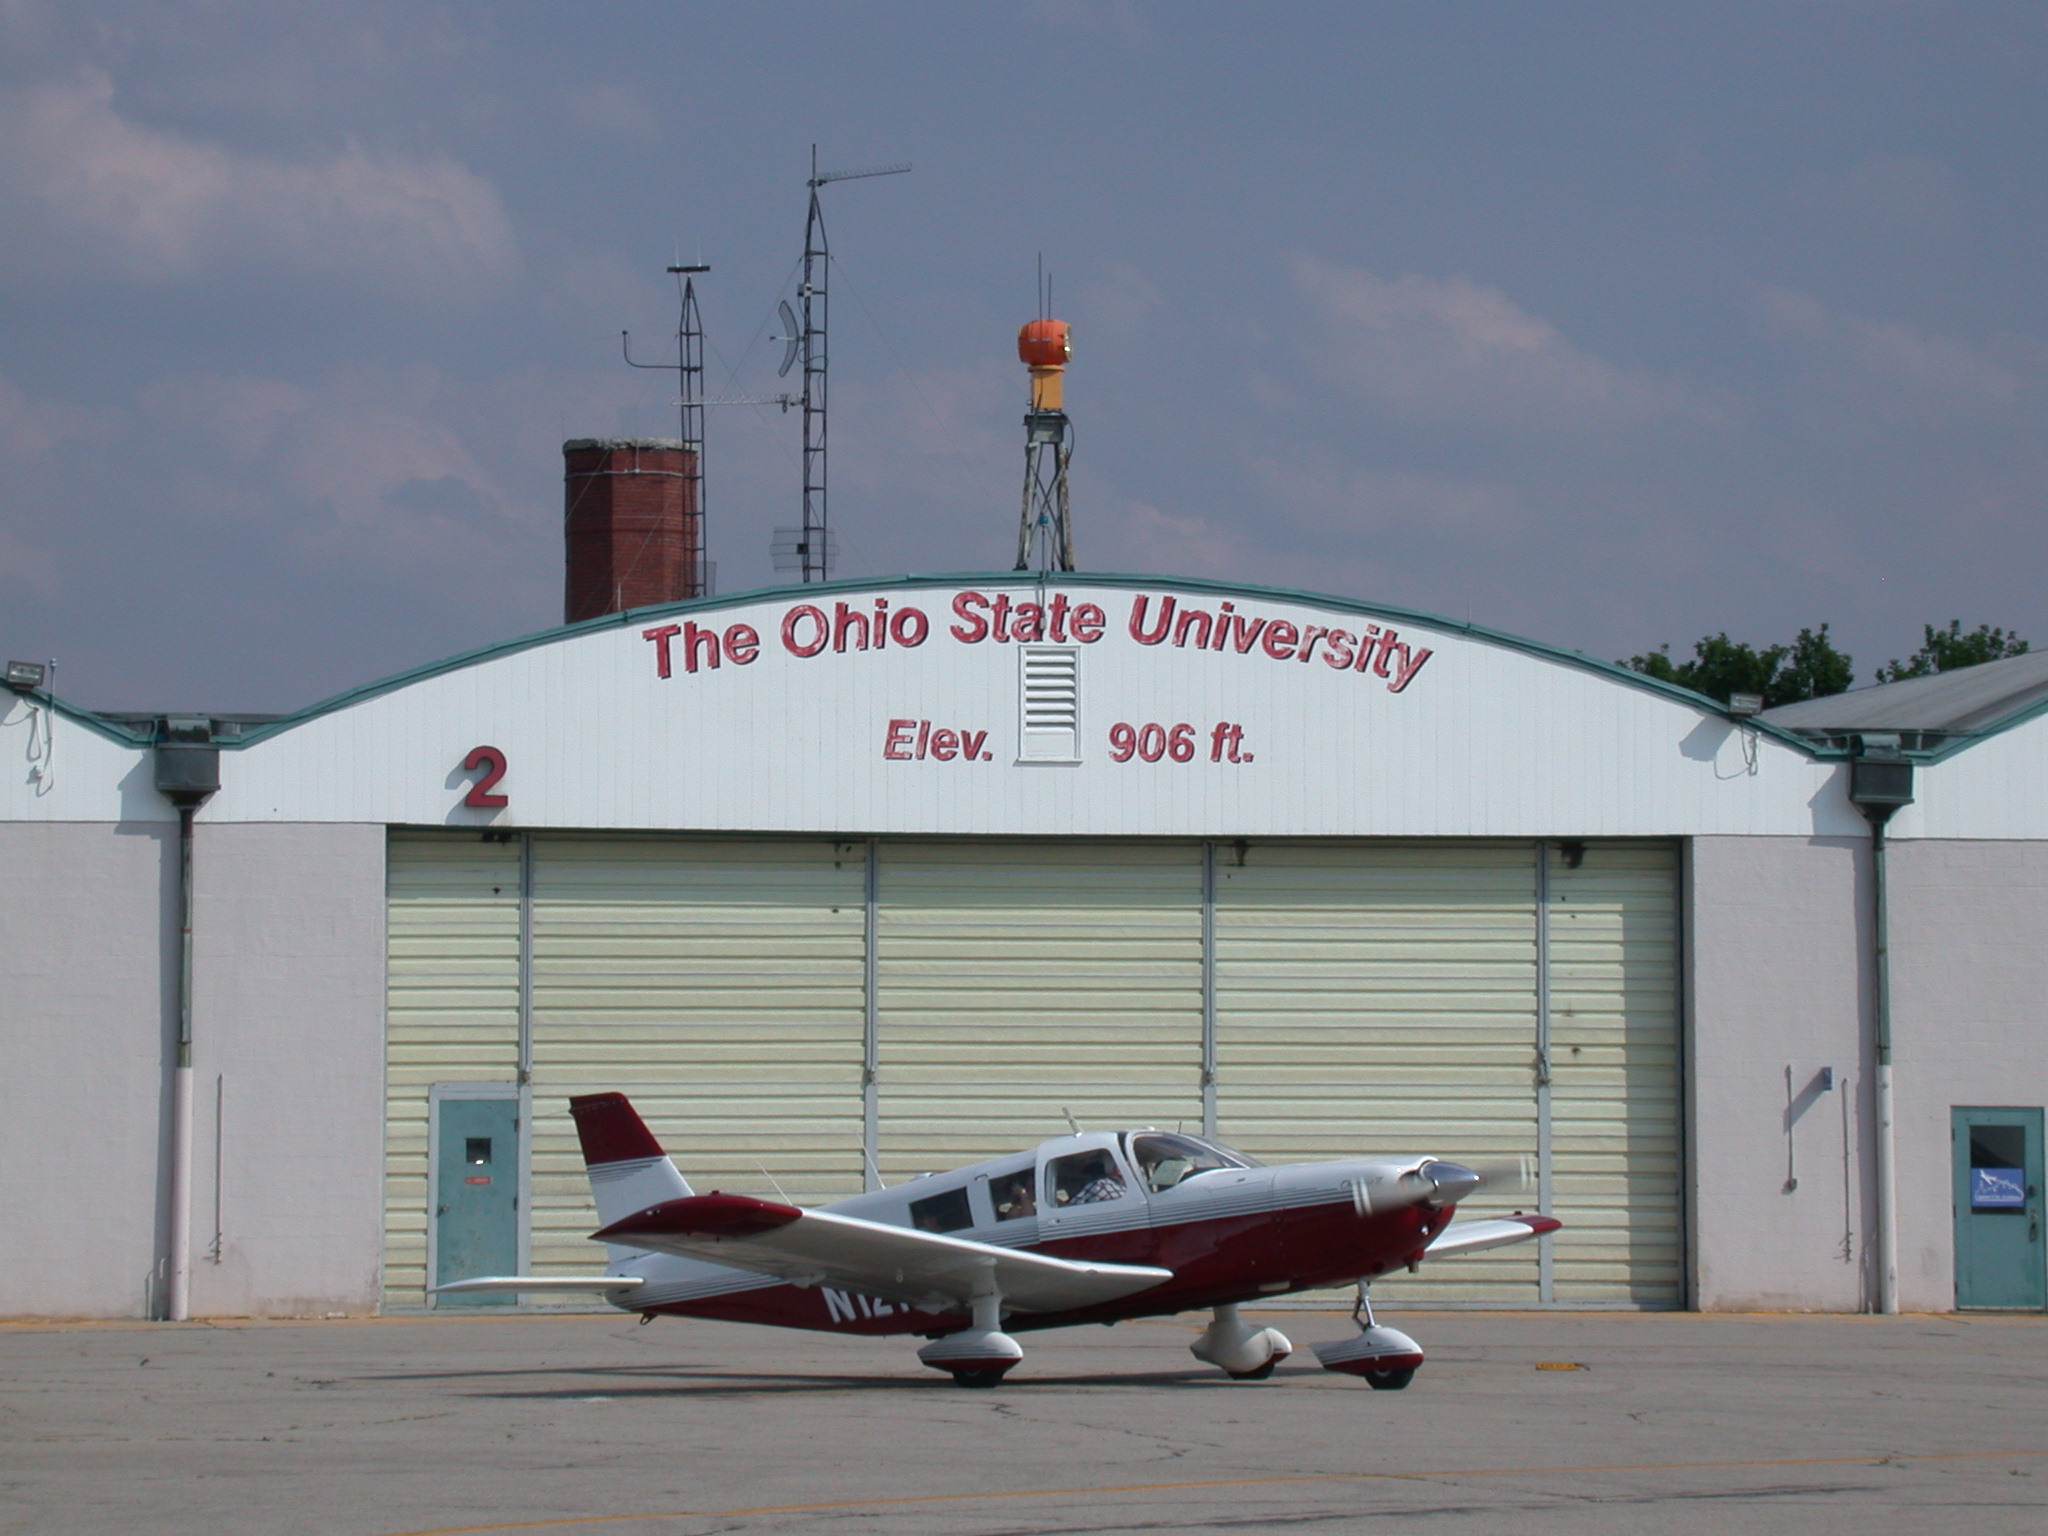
(563, 1426)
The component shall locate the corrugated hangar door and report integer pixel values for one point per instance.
(719, 982)
(1387, 997)
(452, 976)
(1380, 997)
(1017, 981)
(1615, 1100)
(1369, 996)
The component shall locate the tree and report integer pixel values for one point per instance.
(1943, 650)
(1809, 668)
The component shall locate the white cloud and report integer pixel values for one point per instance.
(1138, 536)
(1891, 353)
(30, 428)
(380, 468)
(90, 185)
(1116, 301)
(1351, 501)
(1452, 350)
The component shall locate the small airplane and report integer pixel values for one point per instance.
(1095, 1227)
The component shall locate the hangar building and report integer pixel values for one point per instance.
(866, 879)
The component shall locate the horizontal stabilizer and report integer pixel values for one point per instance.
(540, 1283)
(920, 1269)
(1498, 1232)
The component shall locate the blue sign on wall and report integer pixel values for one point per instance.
(1998, 1189)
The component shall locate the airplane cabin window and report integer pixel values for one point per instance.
(1165, 1159)
(944, 1212)
(1082, 1178)
(1012, 1196)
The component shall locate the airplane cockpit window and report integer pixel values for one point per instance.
(1082, 1178)
(944, 1212)
(1012, 1195)
(1165, 1159)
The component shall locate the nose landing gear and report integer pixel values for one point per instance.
(1386, 1357)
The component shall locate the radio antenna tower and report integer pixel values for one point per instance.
(810, 546)
(689, 367)
(1046, 528)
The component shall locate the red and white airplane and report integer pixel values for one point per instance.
(1090, 1228)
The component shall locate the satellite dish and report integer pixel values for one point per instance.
(791, 339)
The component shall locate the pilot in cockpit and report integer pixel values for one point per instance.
(1086, 1178)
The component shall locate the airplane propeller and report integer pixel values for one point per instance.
(1437, 1182)
(1509, 1173)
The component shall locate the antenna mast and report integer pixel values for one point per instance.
(689, 366)
(812, 544)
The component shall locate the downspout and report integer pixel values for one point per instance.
(1880, 781)
(187, 773)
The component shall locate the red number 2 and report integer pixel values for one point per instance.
(480, 796)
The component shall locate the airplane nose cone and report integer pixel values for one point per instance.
(1448, 1182)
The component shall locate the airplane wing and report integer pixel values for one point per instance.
(539, 1283)
(1472, 1236)
(921, 1269)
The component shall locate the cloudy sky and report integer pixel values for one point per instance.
(1604, 324)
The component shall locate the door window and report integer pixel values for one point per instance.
(1998, 1168)
(1084, 1178)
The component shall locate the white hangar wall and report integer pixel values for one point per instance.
(86, 1036)
(1777, 950)
(1482, 739)
(288, 1060)
(1969, 947)
(1990, 789)
(1486, 739)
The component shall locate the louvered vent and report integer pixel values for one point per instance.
(1049, 686)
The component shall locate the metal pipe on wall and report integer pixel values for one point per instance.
(871, 1020)
(1881, 1032)
(1546, 1262)
(178, 1278)
(187, 773)
(1880, 783)
(1208, 989)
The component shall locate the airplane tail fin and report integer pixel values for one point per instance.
(628, 1170)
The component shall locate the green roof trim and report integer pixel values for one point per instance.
(85, 717)
(1069, 579)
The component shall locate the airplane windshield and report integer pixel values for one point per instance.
(1165, 1159)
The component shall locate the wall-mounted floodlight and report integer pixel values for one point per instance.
(26, 675)
(1745, 704)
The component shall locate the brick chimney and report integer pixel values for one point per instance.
(634, 532)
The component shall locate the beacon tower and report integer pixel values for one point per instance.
(1045, 532)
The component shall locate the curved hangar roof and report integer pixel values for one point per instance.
(1073, 705)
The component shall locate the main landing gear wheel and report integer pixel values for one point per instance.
(1240, 1351)
(1390, 1381)
(979, 1355)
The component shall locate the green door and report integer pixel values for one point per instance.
(476, 1195)
(1998, 1208)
